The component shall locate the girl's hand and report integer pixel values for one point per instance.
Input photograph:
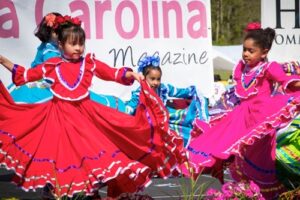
(135, 75)
(1, 59)
(6, 63)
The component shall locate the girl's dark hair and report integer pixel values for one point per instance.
(147, 69)
(42, 31)
(70, 31)
(262, 37)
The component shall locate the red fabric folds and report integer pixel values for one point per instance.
(77, 146)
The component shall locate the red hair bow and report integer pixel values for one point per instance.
(60, 20)
(253, 26)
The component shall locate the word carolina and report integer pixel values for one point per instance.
(148, 18)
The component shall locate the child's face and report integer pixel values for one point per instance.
(252, 53)
(72, 50)
(153, 78)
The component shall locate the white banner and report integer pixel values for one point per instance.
(284, 16)
(120, 32)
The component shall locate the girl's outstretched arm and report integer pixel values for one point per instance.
(136, 76)
(6, 63)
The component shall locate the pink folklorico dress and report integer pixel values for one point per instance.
(78, 145)
(248, 132)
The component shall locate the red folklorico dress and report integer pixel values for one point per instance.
(76, 144)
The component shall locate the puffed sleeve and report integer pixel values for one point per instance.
(132, 104)
(276, 73)
(21, 75)
(105, 72)
(185, 93)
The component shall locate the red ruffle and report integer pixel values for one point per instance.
(80, 146)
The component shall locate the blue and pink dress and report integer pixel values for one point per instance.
(181, 120)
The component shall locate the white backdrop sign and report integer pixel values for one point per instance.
(120, 32)
(284, 16)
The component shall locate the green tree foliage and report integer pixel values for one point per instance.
(230, 17)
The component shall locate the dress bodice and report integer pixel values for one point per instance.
(260, 80)
(70, 81)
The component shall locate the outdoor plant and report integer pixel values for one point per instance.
(49, 193)
(291, 195)
(235, 191)
(191, 188)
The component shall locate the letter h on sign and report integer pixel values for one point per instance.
(279, 10)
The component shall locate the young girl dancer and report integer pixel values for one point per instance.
(38, 91)
(78, 145)
(246, 137)
(181, 120)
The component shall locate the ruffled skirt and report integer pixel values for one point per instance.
(82, 145)
(248, 133)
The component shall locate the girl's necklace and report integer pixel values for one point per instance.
(246, 72)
